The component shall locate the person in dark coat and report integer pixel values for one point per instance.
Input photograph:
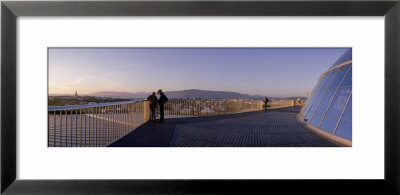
(163, 99)
(153, 105)
(266, 100)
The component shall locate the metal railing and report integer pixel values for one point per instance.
(98, 125)
(93, 125)
(281, 104)
(195, 108)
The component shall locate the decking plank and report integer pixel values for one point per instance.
(272, 128)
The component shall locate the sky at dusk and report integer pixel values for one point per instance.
(278, 72)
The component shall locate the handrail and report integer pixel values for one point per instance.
(72, 107)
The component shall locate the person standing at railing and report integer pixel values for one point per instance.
(153, 104)
(266, 100)
(163, 99)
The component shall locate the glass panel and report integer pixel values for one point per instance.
(347, 113)
(311, 98)
(344, 129)
(321, 83)
(349, 55)
(325, 101)
(344, 58)
(348, 80)
(316, 120)
(339, 102)
(317, 100)
(345, 66)
(338, 78)
(305, 109)
(329, 79)
(309, 103)
(309, 115)
(329, 124)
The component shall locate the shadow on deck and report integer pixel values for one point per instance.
(271, 128)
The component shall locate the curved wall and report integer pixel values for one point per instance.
(328, 109)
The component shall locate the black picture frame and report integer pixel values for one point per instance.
(11, 10)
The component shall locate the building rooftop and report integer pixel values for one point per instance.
(271, 128)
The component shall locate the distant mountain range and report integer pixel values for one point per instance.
(118, 94)
(191, 93)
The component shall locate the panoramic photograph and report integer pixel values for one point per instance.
(199, 97)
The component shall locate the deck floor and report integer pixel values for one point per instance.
(272, 128)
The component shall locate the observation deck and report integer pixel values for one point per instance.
(271, 128)
(188, 123)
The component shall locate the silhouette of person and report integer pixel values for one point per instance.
(153, 105)
(163, 99)
(266, 100)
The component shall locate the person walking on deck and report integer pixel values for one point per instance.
(153, 104)
(266, 100)
(163, 99)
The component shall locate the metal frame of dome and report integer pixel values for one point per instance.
(328, 109)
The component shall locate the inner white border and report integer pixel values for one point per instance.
(365, 160)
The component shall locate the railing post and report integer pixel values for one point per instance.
(146, 110)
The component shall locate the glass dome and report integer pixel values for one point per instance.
(328, 108)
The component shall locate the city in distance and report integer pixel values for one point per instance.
(191, 94)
